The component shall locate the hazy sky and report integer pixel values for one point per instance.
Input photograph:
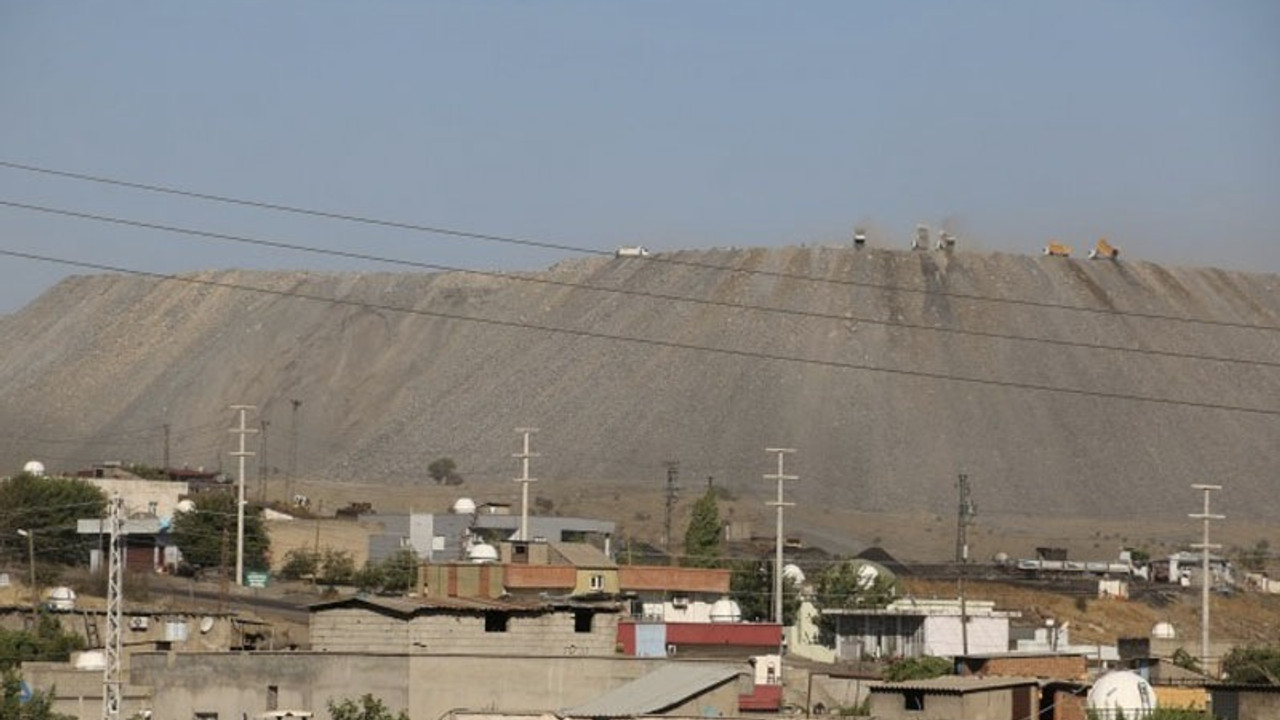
(674, 124)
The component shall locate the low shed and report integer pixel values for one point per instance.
(952, 696)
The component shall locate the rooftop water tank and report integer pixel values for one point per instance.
(464, 506)
(1121, 694)
(1164, 631)
(482, 553)
(34, 467)
(726, 610)
(793, 573)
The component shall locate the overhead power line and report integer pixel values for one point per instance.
(528, 242)
(351, 255)
(670, 344)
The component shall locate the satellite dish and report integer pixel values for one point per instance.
(206, 624)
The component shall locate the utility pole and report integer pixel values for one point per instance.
(779, 476)
(111, 694)
(1205, 580)
(524, 481)
(293, 450)
(965, 518)
(262, 462)
(670, 495)
(166, 448)
(30, 535)
(240, 455)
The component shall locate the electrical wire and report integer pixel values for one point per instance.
(516, 277)
(668, 344)
(527, 242)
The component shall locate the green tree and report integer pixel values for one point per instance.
(1255, 559)
(48, 642)
(751, 586)
(201, 533)
(337, 567)
(396, 574)
(300, 563)
(12, 706)
(855, 584)
(1254, 664)
(366, 708)
(444, 471)
(50, 506)
(702, 537)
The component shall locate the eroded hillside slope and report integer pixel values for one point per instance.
(396, 375)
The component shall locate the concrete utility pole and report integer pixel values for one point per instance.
(262, 462)
(524, 481)
(780, 476)
(30, 535)
(293, 451)
(240, 455)
(166, 448)
(1205, 580)
(966, 512)
(111, 694)
(671, 494)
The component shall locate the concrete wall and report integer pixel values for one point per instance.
(427, 686)
(944, 637)
(78, 693)
(994, 705)
(1060, 667)
(138, 495)
(353, 629)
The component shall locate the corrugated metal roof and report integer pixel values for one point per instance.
(660, 690)
(956, 684)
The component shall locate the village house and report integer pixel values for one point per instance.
(911, 627)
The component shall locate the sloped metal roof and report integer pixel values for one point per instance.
(955, 684)
(660, 690)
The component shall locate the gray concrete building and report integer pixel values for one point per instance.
(222, 686)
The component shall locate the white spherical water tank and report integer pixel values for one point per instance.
(34, 467)
(482, 553)
(464, 506)
(793, 574)
(184, 506)
(726, 610)
(1164, 631)
(1121, 694)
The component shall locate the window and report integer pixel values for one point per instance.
(206, 716)
(273, 697)
(596, 582)
(913, 700)
(496, 622)
(152, 507)
(582, 621)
